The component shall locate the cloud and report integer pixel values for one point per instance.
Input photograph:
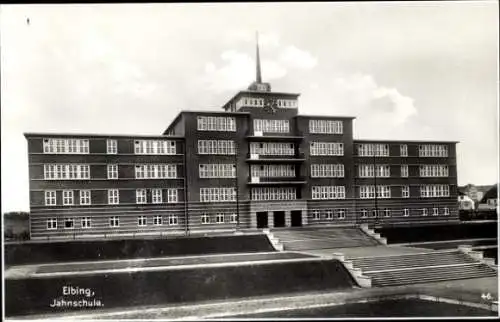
(298, 58)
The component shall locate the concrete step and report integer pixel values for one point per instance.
(427, 279)
(317, 245)
(405, 256)
(417, 262)
(430, 271)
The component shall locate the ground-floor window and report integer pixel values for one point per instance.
(205, 219)
(446, 211)
(406, 212)
(173, 220)
(329, 214)
(52, 223)
(142, 221)
(69, 223)
(86, 222)
(387, 212)
(219, 218)
(114, 222)
(435, 211)
(374, 213)
(363, 213)
(341, 214)
(157, 221)
(424, 212)
(233, 218)
(316, 214)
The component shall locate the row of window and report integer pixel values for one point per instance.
(368, 192)
(259, 102)
(326, 148)
(271, 126)
(434, 170)
(327, 170)
(383, 191)
(325, 127)
(328, 192)
(369, 171)
(66, 146)
(66, 171)
(435, 190)
(425, 150)
(384, 171)
(221, 147)
(113, 197)
(328, 214)
(220, 170)
(217, 194)
(155, 171)
(273, 193)
(406, 212)
(272, 148)
(216, 123)
(272, 170)
(163, 147)
(114, 221)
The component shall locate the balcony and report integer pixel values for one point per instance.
(276, 181)
(259, 158)
(260, 136)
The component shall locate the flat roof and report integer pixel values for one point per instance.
(55, 134)
(325, 116)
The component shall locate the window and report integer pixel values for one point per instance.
(114, 222)
(364, 213)
(368, 192)
(111, 146)
(405, 192)
(424, 212)
(50, 198)
(316, 214)
(67, 197)
(86, 222)
(155, 171)
(163, 147)
(432, 150)
(329, 214)
(218, 147)
(271, 126)
(435, 211)
(272, 148)
(370, 150)
(341, 214)
(66, 146)
(434, 170)
(273, 193)
(327, 170)
(328, 192)
(113, 196)
(446, 211)
(367, 171)
(172, 195)
(387, 212)
(156, 195)
(272, 170)
(205, 219)
(403, 150)
(52, 223)
(233, 218)
(59, 171)
(173, 220)
(140, 196)
(325, 127)
(142, 221)
(404, 171)
(112, 171)
(217, 194)
(216, 123)
(219, 218)
(157, 220)
(374, 213)
(85, 197)
(69, 223)
(432, 191)
(326, 148)
(221, 170)
(406, 212)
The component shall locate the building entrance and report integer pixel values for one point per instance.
(279, 219)
(296, 218)
(262, 219)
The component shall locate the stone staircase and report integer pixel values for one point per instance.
(405, 269)
(321, 238)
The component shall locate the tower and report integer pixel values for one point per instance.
(258, 85)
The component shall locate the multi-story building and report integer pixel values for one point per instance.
(258, 163)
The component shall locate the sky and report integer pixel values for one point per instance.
(409, 70)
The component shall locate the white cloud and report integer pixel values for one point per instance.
(298, 58)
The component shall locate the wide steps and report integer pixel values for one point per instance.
(324, 244)
(417, 260)
(430, 274)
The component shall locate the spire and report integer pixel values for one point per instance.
(259, 76)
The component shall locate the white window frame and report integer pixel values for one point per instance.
(156, 196)
(142, 221)
(424, 212)
(435, 211)
(68, 199)
(51, 223)
(387, 212)
(404, 171)
(341, 214)
(316, 214)
(172, 195)
(86, 222)
(205, 219)
(173, 220)
(446, 211)
(405, 191)
(67, 220)
(140, 196)
(113, 196)
(403, 150)
(112, 171)
(50, 198)
(157, 220)
(329, 214)
(114, 221)
(219, 218)
(233, 218)
(85, 197)
(111, 146)
(406, 212)
(364, 213)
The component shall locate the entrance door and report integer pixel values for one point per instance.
(279, 219)
(296, 218)
(262, 219)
